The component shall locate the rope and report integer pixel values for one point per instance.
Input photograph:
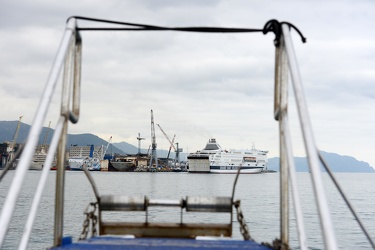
(271, 26)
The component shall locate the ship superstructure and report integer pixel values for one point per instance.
(214, 159)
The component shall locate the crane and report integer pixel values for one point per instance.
(106, 148)
(154, 157)
(170, 142)
(15, 136)
(12, 144)
(169, 151)
(139, 143)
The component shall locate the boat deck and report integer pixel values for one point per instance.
(117, 242)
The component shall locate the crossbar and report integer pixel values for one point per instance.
(170, 230)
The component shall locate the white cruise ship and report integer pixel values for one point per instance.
(214, 159)
(39, 158)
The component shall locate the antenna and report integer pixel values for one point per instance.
(139, 143)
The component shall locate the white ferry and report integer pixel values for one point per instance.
(214, 159)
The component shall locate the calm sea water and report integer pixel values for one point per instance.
(258, 193)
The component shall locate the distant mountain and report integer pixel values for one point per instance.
(336, 162)
(8, 128)
(128, 148)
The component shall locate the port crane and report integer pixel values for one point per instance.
(154, 157)
(12, 144)
(15, 136)
(106, 148)
(171, 145)
(139, 138)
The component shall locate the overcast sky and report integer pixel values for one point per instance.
(199, 86)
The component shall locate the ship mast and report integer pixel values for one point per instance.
(15, 136)
(14, 141)
(154, 157)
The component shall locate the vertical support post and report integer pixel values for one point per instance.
(310, 146)
(77, 79)
(287, 169)
(69, 70)
(60, 181)
(281, 107)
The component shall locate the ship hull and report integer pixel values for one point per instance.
(92, 164)
(76, 164)
(234, 170)
(36, 166)
(123, 166)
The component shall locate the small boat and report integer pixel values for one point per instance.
(100, 233)
(227, 161)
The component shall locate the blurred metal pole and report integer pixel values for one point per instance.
(281, 105)
(68, 78)
(311, 149)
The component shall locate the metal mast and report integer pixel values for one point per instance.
(139, 142)
(106, 148)
(15, 136)
(14, 141)
(170, 142)
(154, 157)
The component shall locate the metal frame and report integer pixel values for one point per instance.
(69, 54)
(36, 128)
(71, 79)
(311, 150)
